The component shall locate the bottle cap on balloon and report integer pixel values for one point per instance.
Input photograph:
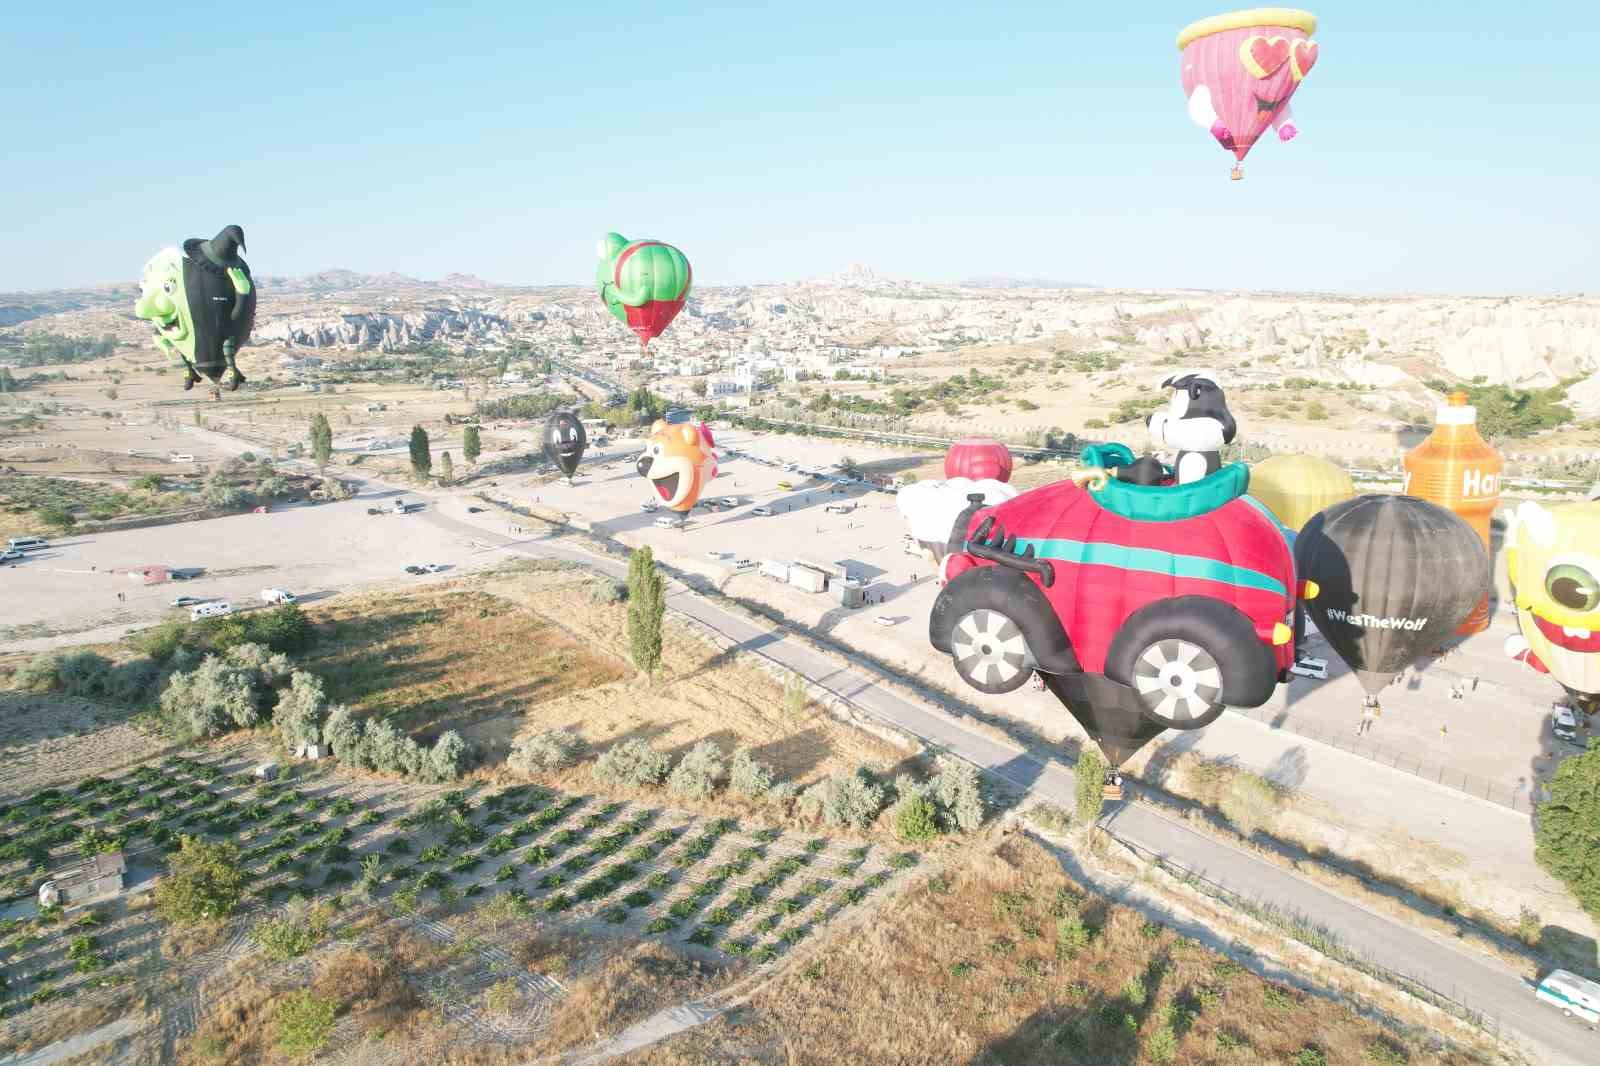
(1456, 411)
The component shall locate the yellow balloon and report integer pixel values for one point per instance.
(1295, 487)
(1551, 560)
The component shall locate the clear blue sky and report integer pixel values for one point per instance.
(1444, 147)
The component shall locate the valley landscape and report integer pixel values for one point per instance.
(895, 534)
(505, 947)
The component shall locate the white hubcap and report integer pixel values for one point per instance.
(1177, 680)
(989, 648)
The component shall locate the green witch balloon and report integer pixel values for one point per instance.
(643, 283)
(202, 302)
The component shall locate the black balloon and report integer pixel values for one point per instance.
(565, 441)
(1110, 713)
(1396, 575)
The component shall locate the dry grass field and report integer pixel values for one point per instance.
(452, 656)
(1003, 959)
(513, 654)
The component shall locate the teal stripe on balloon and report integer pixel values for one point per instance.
(1150, 561)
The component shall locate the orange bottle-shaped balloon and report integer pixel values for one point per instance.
(1456, 468)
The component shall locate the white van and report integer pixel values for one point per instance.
(1574, 995)
(667, 522)
(215, 609)
(1312, 668)
(26, 544)
(276, 596)
(182, 457)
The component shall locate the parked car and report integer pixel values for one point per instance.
(10, 555)
(668, 522)
(1563, 723)
(647, 506)
(214, 609)
(730, 501)
(186, 601)
(415, 570)
(743, 564)
(475, 510)
(764, 512)
(884, 620)
(433, 568)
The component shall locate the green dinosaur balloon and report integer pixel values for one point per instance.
(202, 302)
(644, 283)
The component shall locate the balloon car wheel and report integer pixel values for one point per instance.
(990, 651)
(1177, 682)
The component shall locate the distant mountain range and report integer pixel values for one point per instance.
(1002, 281)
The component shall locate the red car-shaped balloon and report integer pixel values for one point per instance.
(1183, 595)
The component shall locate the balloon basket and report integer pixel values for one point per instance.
(1237, 174)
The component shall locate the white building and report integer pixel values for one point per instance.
(721, 386)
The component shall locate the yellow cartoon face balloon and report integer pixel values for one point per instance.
(1553, 560)
(678, 461)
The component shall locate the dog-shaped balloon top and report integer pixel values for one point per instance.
(1196, 424)
(679, 460)
(202, 302)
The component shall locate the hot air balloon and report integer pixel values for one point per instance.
(1553, 561)
(643, 283)
(1394, 576)
(565, 441)
(679, 461)
(202, 302)
(933, 510)
(1240, 69)
(1144, 607)
(1295, 487)
(978, 458)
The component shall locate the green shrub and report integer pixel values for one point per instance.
(446, 757)
(698, 772)
(848, 799)
(304, 1023)
(633, 763)
(1386, 1054)
(272, 668)
(605, 591)
(300, 709)
(1090, 778)
(1072, 936)
(284, 628)
(1567, 833)
(554, 749)
(213, 698)
(915, 819)
(1161, 1045)
(291, 936)
(956, 791)
(748, 776)
(204, 883)
(1250, 804)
